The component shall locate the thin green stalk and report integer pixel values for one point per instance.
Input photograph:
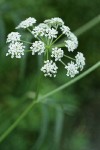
(88, 26)
(32, 34)
(41, 99)
(13, 126)
(47, 55)
(69, 57)
(57, 38)
(38, 85)
(62, 62)
(29, 30)
(26, 42)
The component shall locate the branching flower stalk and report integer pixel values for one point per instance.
(46, 35)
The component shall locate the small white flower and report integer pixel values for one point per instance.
(80, 60)
(72, 42)
(38, 46)
(16, 50)
(13, 37)
(58, 21)
(55, 22)
(70, 45)
(65, 30)
(71, 69)
(26, 23)
(49, 68)
(57, 53)
(43, 26)
(73, 38)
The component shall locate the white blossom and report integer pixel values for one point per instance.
(57, 53)
(51, 33)
(72, 69)
(13, 37)
(71, 45)
(72, 42)
(49, 68)
(55, 22)
(38, 46)
(80, 60)
(65, 30)
(16, 50)
(40, 30)
(73, 38)
(27, 23)
(44, 30)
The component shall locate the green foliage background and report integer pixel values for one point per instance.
(69, 120)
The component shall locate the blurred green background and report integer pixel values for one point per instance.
(68, 120)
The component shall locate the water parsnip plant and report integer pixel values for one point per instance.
(46, 45)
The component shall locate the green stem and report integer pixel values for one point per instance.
(69, 57)
(57, 38)
(41, 99)
(26, 42)
(88, 26)
(47, 55)
(32, 34)
(62, 62)
(29, 30)
(13, 126)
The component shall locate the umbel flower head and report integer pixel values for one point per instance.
(45, 36)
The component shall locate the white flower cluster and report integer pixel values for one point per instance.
(13, 37)
(55, 22)
(26, 23)
(72, 42)
(65, 30)
(38, 46)
(57, 53)
(72, 69)
(80, 60)
(44, 30)
(46, 35)
(16, 48)
(49, 68)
